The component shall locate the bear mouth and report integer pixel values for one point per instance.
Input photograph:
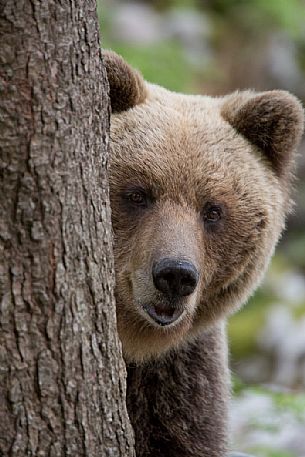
(163, 315)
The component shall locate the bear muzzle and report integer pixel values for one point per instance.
(175, 279)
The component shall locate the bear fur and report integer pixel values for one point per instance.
(204, 181)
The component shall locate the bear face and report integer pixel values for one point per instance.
(199, 191)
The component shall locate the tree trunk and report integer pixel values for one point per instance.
(62, 377)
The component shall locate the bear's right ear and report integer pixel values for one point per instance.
(127, 87)
(272, 120)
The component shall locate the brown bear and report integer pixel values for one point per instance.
(199, 191)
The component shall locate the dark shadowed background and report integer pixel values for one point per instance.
(214, 47)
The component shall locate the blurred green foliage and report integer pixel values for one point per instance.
(295, 249)
(283, 400)
(288, 15)
(284, 404)
(245, 326)
(162, 63)
(267, 452)
(285, 14)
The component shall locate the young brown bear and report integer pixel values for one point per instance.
(199, 191)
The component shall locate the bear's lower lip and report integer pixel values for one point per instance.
(163, 315)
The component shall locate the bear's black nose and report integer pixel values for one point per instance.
(175, 278)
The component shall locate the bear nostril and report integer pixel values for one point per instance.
(175, 277)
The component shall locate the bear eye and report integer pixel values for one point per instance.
(137, 198)
(212, 213)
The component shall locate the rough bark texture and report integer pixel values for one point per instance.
(62, 383)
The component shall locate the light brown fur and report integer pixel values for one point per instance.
(186, 152)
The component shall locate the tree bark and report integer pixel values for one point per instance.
(62, 377)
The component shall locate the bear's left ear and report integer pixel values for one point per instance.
(273, 121)
(127, 87)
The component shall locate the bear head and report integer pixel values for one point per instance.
(199, 190)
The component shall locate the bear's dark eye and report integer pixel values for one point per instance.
(212, 213)
(137, 198)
